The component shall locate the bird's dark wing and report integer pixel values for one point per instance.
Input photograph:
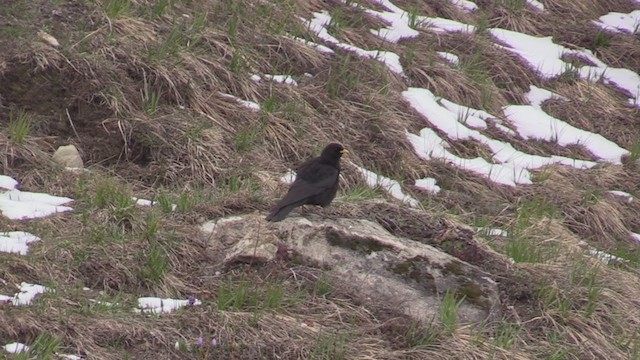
(312, 179)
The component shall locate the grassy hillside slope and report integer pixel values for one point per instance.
(141, 89)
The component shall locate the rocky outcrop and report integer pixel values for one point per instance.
(380, 267)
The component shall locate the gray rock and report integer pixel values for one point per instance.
(243, 236)
(380, 267)
(68, 156)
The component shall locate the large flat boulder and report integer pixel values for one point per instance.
(381, 268)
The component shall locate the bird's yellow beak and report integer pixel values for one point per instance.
(344, 151)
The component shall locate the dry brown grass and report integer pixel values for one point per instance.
(97, 91)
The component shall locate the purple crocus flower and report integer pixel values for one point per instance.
(214, 342)
(200, 341)
(191, 300)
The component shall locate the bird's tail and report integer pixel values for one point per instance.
(279, 213)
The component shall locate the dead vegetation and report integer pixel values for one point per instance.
(138, 87)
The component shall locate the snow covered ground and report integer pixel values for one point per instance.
(508, 166)
(19, 205)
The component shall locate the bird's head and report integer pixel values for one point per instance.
(333, 151)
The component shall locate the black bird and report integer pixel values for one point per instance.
(316, 183)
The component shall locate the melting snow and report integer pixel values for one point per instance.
(391, 186)
(428, 145)
(145, 202)
(15, 348)
(321, 48)
(445, 25)
(533, 123)
(18, 205)
(628, 197)
(452, 58)
(319, 25)
(537, 96)
(536, 4)
(492, 231)
(464, 5)
(544, 56)
(283, 79)
(514, 165)
(504, 128)
(472, 117)
(399, 20)
(428, 184)
(540, 52)
(620, 22)
(26, 295)
(605, 257)
(16, 241)
(157, 305)
(7, 182)
(246, 103)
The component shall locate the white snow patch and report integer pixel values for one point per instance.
(256, 78)
(145, 202)
(536, 4)
(464, 5)
(472, 117)
(428, 145)
(540, 52)
(246, 103)
(18, 205)
(620, 22)
(7, 182)
(605, 257)
(283, 79)
(441, 25)
(625, 195)
(514, 165)
(15, 348)
(533, 123)
(452, 58)
(157, 305)
(625, 79)
(427, 184)
(537, 96)
(320, 48)
(492, 231)
(16, 241)
(399, 20)
(544, 56)
(319, 25)
(505, 129)
(391, 186)
(26, 295)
